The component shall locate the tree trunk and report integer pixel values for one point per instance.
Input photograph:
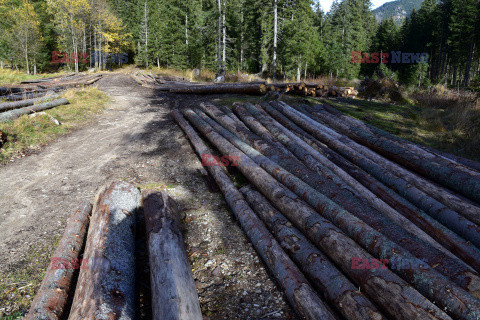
(173, 290)
(299, 293)
(440, 233)
(348, 300)
(275, 35)
(331, 240)
(52, 297)
(219, 43)
(469, 62)
(23, 103)
(106, 288)
(252, 89)
(14, 114)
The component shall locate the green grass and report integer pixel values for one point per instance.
(8, 76)
(28, 133)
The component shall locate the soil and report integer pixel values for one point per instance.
(134, 140)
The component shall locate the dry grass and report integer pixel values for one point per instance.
(9, 76)
(27, 134)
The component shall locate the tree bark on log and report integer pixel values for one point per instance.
(173, 290)
(23, 96)
(328, 280)
(436, 230)
(339, 192)
(462, 206)
(51, 299)
(472, 165)
(9, 90)
(14, 114)
(457, 223)
(106, 288)
(24, 103)
(299, 293)
(403, 300)
(250, 89)
(437, 168)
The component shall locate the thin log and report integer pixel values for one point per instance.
(439, 169)
(404, 301)
(14, 114)
(466, 208)
(250, 89)
(436, 230)
(23, 96)
(299, 293)
(106, 288)
(453, 220)
(9, 90)
(327, 279)
(25, 103)
(51, 299)
(173, 290)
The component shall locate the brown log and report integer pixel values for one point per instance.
(51, 299)
(328, 280)
(436, 230)
(106, 288)
(404, 301)
(299, 293)
(14, 114)
(173, 290)
(468, 209)
(25, 103)
(240, 88)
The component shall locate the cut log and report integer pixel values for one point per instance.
(23, 96)
(14, 114)
(469, 210)
(453, 220)
(341, 194)
(9, 90)
(437, 168)
(25, 103)
(250, 89)
(440, 233)
(328, 280)
(173, 290)
(403, 300)
(51, 299)
(299, 293)
(106, 288)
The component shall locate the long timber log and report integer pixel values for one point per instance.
(439, 169)
(250, 89)
(339, 192)
(14, 114)
(24, 103)
(457, 223)
(335, 287)
(52, 297)
(403, 300)
(25, 95)
(472, 165)
(106, 288)
(299, 293)
(173, 289)
(432, 227)
(466, 208)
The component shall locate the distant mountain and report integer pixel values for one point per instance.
(399, 9)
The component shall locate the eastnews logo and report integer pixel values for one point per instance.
(359, 263)
(394, 56)
(83, 57)
(209, 160)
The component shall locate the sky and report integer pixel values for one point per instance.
(326, 4)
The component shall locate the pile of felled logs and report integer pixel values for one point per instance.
(32, 89)
(251, 88)
(92, 273)
(352, 222)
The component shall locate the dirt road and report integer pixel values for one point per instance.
(133, 140)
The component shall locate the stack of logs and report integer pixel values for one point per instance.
(353, 222)
(105, 288)
(37, 95)
(180, 85)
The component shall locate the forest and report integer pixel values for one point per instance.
(281, 39)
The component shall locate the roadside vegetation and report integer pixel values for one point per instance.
(26, 134)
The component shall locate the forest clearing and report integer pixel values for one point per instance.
(239, 159)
